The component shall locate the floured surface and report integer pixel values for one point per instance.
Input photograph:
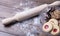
(30, 27)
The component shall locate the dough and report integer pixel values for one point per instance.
(47, 27)
(59, 23)
(55, 30)
(55, 14)
(54, 21)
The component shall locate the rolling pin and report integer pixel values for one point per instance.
(28, 14)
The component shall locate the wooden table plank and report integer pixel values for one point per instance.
(5, 34)
(18, 29)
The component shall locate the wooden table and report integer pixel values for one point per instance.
(10, 7)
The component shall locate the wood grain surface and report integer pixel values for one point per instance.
(9, 8)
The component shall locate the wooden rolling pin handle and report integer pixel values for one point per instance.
(56, 3)
(29, 13)
(8, 21)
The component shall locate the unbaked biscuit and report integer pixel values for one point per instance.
(54, 21)
(47, 27)
(55, 14)
(55, 30)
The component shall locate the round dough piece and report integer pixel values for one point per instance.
(47, 27)
(54, 21)
(55, 30)
(55, 14)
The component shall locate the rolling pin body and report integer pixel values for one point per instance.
(29, 13)
(24, 15)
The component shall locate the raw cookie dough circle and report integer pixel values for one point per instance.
(56, 14)
(53, 21)
(55, 30)
(47, 27)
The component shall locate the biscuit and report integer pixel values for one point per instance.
(54, 21)
(55, 30)
(47, 27)
(55, 14)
